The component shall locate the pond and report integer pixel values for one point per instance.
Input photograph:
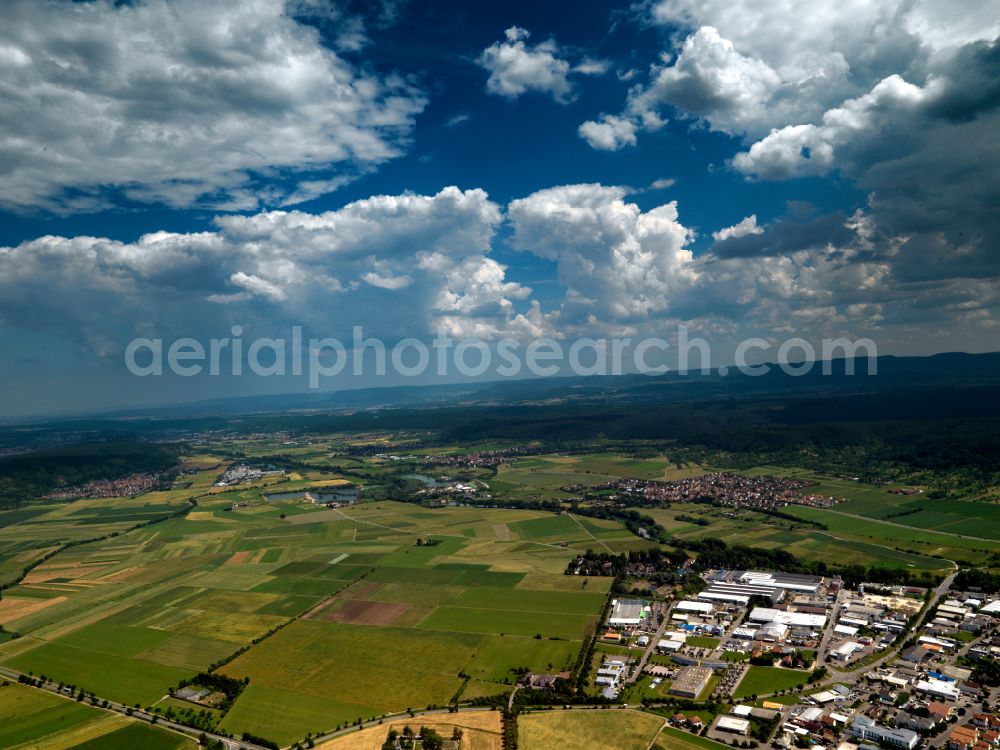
(426, 480)
(345, 494)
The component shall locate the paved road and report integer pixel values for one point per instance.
(654, 639)
(824, 645)
(139, 714)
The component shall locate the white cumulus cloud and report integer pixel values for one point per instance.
(610, 133)
(517, 67)
(184, 103)
(616, 261)
(810, 149)
(710, 79)
(745, 227)
(747, 67)
(399, 265)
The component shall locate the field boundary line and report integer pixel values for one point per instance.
(886, 522)
(452, 536)
(590, 533)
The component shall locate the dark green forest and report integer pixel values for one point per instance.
(26, 476)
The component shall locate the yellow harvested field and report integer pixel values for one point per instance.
(69, 738)
(481, 730)
(597, 729)
(501, 532)
(48, 572)
(201, 515)
(118, 576)
(14, 608)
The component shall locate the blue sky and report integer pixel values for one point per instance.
(517, 170)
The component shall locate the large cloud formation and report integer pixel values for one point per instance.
(617, 262)
(186, 103)
(410, 265)
(898, 97)
(749, 66)
(398, 265)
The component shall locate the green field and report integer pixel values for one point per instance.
(115, 677)
(531, 601)
(702, 641)
(129, 616)
(400, 668)
(502, 621)
(137, 735)
(675, 739)
(286, 716)
(889, 548)
(35, 718)
(763, 680)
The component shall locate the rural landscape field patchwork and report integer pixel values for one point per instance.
(410, 375)
(324, 590)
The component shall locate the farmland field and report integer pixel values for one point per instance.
(481, 730)
(350, 598)
(675, 739)
(588, 730)
(810, 543)
(34, 719)
(502, 621)
(418, 604)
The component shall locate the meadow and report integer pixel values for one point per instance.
(597, 729)
(763, 680)
(540, 477)
(35, 719)
(890, 547)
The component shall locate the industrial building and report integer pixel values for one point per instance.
(627, 612)
(791, 619)
(690, 681)
(846, 650)
(717, 665)
(670, 644)
(609, 676)
(773, 632)
(866, 729)
(938, 689)
(737, 586)
(732, 724)
(724, 594)
(785, 581)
